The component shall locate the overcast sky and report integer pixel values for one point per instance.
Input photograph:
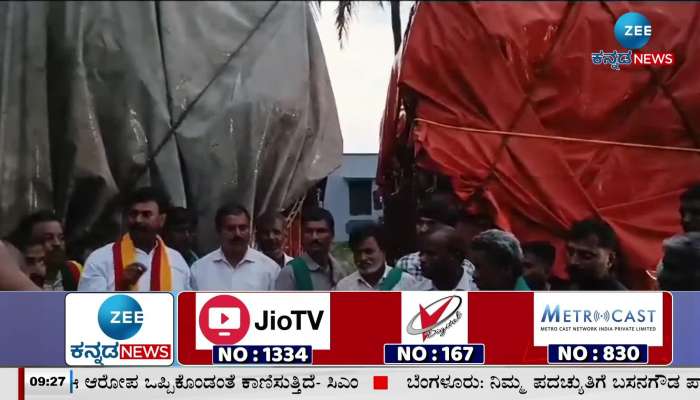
(360, 70)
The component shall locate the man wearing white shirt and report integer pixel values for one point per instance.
(235, 265)
(271, 237)
(441, 257)
(139, 260)
(367, 245)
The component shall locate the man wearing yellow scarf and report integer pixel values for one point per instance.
(139, 260)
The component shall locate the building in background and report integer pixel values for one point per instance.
(351, 194)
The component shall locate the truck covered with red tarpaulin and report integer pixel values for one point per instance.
(502, 101)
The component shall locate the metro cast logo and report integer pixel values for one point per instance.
(589, 318)
(557, 314)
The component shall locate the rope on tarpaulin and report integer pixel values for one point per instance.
(294, 211)
(172, 132)
(650, 274)
(481, 189)
(139, 172)
(656, 80)
(294, 246)
(561, 138)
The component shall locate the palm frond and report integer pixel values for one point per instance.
(396, 23)
(343, 14)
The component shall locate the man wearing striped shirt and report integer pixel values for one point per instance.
(440, 210)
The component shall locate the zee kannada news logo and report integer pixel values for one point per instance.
(121, 317)
(436, 318)
(633, 31)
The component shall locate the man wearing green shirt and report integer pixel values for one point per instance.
(316, 268)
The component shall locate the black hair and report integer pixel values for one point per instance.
(692, 193)
(364, 232)
(146, 194)
(269, 218)
(483, 221)
(229, 209)
(31, 242)
(22, 236)
(442, 207)
(600, 229)
(542, 250)
(180, 216)
(318, 214)
(680, 263)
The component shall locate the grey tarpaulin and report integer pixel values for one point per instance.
(89, 90)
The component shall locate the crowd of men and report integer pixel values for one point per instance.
(455, 251)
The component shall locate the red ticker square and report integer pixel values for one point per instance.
(381, 382)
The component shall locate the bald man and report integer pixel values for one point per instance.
(441, 258)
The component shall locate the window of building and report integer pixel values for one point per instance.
(360, 191)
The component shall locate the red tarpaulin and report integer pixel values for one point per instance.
(586, 139)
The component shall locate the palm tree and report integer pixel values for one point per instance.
(345, 9)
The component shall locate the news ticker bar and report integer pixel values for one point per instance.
(346, 383)
(360, 324)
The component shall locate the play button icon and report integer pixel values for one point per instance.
(224, 320)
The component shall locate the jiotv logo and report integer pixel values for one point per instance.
(263, 319)
(434, 317)
(119, 329)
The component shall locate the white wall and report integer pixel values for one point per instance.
(337, 199)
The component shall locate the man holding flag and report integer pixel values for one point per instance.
(139, 260)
